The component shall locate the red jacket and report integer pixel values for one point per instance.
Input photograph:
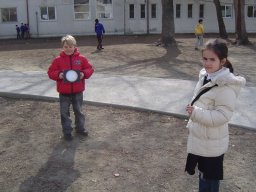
(67, 62)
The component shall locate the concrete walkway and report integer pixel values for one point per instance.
(168, 96)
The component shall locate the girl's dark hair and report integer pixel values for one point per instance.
(220, 48)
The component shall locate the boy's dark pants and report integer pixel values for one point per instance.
(18, 35)
(99, 37)
(76, 100)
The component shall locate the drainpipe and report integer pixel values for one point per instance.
(124, 18)
(27, 12)
(37, 31)
(147, 16)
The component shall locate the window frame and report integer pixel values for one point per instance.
(253, 11)
(143, 11)
(82, 12)
(48, 19)
(190, 12)
(201, 10)
(225, 11)
(178, 12)
(104, 13)
(131, 11)
(153, 14)
(9, 15)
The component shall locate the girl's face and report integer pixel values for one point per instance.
(68, 49)
(211, 62)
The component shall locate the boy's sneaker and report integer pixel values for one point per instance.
(82, 133)
(68, 137)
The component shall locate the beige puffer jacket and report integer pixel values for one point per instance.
(208, 124)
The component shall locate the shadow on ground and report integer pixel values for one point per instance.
(57, 174)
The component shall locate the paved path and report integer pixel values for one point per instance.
(162, 95)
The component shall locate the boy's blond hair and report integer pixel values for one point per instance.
(69, 39)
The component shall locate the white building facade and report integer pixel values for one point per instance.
(48, 18)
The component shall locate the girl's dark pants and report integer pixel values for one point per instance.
(76, 100)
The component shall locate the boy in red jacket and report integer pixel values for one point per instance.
(69, 70)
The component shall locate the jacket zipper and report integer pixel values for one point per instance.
(70, 57)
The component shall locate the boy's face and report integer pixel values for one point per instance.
(68, 49)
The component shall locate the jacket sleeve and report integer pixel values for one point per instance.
(87, 69)
(202, 29)
(195, 29)
(54, 71)
(222, 112)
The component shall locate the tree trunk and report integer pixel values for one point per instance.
(222, 29)
(168, 27)
(241, 34)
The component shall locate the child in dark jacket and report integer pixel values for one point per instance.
(99, 30)
(69, 70)
(18, 32)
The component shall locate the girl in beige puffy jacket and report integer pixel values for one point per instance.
(209, 115)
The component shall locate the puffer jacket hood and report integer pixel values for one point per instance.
(226, 78)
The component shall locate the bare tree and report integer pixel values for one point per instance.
(222, 29)
(168, 27)
(241, 34)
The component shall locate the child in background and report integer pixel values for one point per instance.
(18, 32)
(99, 30)
(70, 93)
(209, 115)
(22, 29)
(199, 32)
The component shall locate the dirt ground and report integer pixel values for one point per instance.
(147, 150)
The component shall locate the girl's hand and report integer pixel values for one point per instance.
(189, 109)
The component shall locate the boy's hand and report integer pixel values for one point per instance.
(81, 75)
(61, 75)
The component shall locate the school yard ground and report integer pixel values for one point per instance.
(127, 150)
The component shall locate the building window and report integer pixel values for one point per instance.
(226, 11)
(131, 11)
(142, 11)
(47, 13)
(201, 11)
(104, 9)
(81, 9)
(9, 14)
(178, 6)
(251, 11)
(153, 10)
(190, 10)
